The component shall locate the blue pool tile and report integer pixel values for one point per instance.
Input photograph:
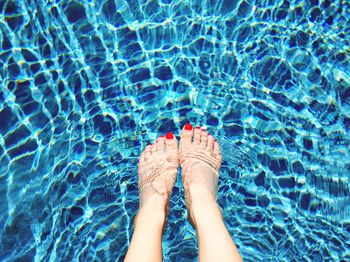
(212, 120)
(6, 44)
(307, 143)
(167, 126)
(302, 38)
(305, 201)
(298, 167)
(260, 179)
(74, 213)
(100, 196)
(163, 73)
(75, 11)
(7, 119)
(278, 165)
(287, 182)
(263, 201)
(244, 8)
(74, 178)
(250, 202)
(233, 130)
(140, 74)
(13, 69)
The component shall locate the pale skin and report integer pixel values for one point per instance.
(199, 156)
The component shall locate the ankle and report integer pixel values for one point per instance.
(200, 196)
(205, 213)
(154, 210)
(201, 204)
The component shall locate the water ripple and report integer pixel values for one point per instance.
(85, 86)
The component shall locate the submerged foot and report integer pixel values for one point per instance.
(157, 171)
(200, 159)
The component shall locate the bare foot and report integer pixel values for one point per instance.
(200, 159)
(157, 171)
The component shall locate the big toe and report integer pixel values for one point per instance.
(186, 134)
(170, 142)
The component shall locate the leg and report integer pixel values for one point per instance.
(158, 166)
(214, 241)
(200, 159)
(146, 243)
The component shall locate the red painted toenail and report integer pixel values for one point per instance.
(188, 127)
(215, 140)
(198, 127)
(161, 136)
(169, 135)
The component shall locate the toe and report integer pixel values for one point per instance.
(210, 144)
(217, 148)
(154, 147)
(197, 135)
(142, 158)
(186, 134)
(148, 152)
(204, 138)
(161, 144)
(170, 141)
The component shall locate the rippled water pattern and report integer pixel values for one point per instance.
(86, 85)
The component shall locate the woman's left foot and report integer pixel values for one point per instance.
(157, 171)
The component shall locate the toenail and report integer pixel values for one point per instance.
(188, 127)
(198, 127)
(169, 135)
(161, 136)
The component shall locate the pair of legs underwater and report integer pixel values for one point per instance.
(200, 159)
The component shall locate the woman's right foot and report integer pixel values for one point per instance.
(200, 159)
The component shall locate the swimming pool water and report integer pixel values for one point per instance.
(86, 85)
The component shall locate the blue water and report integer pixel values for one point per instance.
(86, 85)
